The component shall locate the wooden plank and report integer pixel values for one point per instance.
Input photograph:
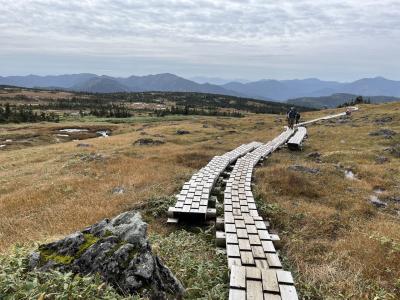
(251, 229)
(238, 277)
(231, 238)
(258, 251)
(232, 250)
(268, 247)
(264, 235)
(288, 292)
(230, 228)
(253, 273)
(247, 258)
(242, 233)
(234, 261)
(235, 294)
(244, 244)
(273, 260)
(269, 296)
(269, 281)
(254, 239)
(254, 290)
(284, 277)
(261, 263)
(240, 224)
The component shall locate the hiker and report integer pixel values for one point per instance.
(297, 118)
(291, 117)
(348, 112)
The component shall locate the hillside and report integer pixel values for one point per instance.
(335, 100)
(330, 229)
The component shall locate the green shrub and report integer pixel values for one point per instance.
(18, 282)
(192, 257)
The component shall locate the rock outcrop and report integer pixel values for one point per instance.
(116, 249)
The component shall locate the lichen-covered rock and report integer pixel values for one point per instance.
(116, 249)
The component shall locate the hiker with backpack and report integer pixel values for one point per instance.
(297, 118)
(291, 117)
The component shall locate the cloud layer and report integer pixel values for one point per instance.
(235, 38)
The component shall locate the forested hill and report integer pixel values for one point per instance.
(62, 99)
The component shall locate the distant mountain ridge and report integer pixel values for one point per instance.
(266, 89)
(106, 84)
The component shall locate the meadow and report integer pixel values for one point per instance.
(337, 243)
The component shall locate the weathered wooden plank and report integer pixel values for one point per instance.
(254, 239)
(242, 233)
(268, 247)
(230, 228)
(269, 281)
(232, 250)
(273, 260)
(234, 261)
(288, 292)
(258, 251)
(244, 244)
(235, 294)
(231, 238)
(269, 296)
(247, 258)
(253, 273)
(261, 263)
(238, 277)
(284, 277)
(254, 290)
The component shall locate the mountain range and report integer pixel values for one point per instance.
(266, 89)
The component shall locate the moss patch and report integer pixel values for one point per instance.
(47, 255)
(90, 239)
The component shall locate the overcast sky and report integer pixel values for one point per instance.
(328, 39)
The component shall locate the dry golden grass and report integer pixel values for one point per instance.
(51, 190)
(338, 244)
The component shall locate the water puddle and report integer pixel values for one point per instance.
(8, 141)
(73, 130)
(63, 135)
(2, 146)
(103, 133)
(348, 174)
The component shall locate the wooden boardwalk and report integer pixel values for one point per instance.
(255, 268)
(296, 141)
(192, 201)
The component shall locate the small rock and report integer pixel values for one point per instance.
(304, 169)
(395, 150)
(84, 145)
(205, 126)
(375, 201)
(384, 120)
(381, 159)
(118, 190)
(181, 131)
(91, 156)
(386, 133)
(314, 155)
(148, 142)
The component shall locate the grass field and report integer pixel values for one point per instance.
(335, 241)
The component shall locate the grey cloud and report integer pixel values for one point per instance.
(206, 32)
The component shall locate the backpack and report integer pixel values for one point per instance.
(292, 114)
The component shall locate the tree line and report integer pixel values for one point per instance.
(187, 110)
(358, 100)
(24, 114)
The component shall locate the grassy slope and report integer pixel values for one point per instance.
(333, 237)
